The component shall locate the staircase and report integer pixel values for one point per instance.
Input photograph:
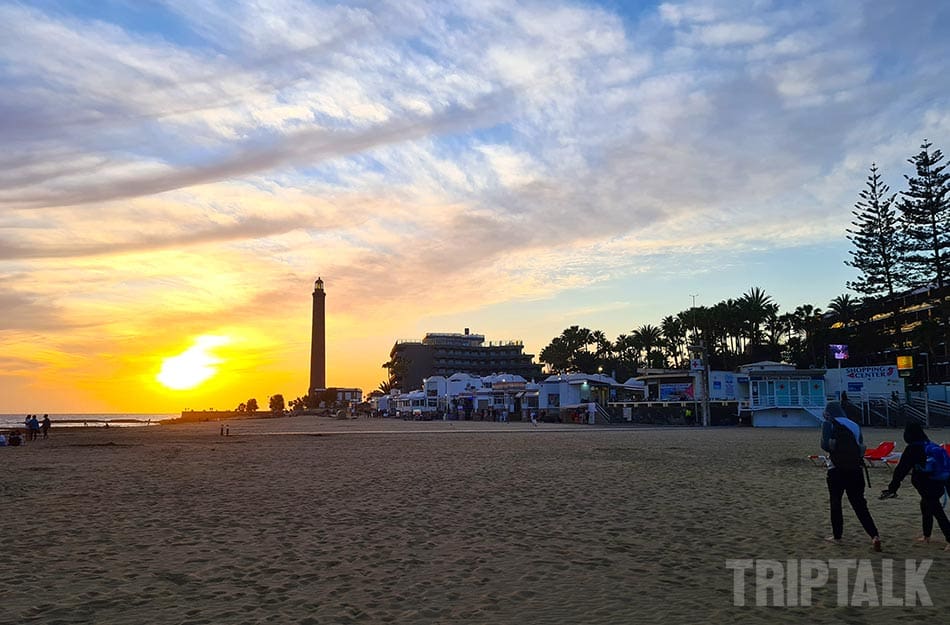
(602, 417)
(929, 412)
(815, 411)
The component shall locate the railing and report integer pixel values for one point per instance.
(931, 410)
(915, 413)
(800, 402)
(935, 407)
(603, 415)
(886, 411)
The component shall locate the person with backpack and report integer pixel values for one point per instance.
(929, 465)
(841, 438)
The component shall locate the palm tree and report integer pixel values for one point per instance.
(627, 352)
(727, 330)
(656, 358)
(755, 305)
(844, 308)
(603, 346)
(675, 334)
(557, 355)
(648, 337)
(398, 367)
(576, 338)
(807, 323)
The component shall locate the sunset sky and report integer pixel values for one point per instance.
(175, 174)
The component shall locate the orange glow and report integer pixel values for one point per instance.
(193, 366)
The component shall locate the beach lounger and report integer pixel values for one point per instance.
(820, 461)
(878, 456)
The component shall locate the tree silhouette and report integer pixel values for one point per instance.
(926, 213)
(878, 241)
(756, 307)
(398, 367)
(674, 336)
(843, 307)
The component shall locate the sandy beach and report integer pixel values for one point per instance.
(310, 520)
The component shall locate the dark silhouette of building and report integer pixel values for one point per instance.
(448, 353)
(881, 329)
(318, 339)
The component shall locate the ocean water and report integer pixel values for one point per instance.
(8, 421)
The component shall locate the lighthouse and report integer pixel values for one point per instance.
(318, 339)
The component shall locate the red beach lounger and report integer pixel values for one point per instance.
(877, 457)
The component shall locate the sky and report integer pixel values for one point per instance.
(174, 175)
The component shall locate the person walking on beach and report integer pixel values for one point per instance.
(33, 428)
(929, 479)
(851, 411)
(45, 425)
(841, 438)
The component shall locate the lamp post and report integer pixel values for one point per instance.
(927, 356)
(927, 391)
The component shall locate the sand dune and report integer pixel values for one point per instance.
(423, 523)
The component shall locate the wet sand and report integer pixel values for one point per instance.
(311, 520)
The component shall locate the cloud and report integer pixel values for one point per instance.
(33, 312)
(308, 147)
(431, 156)
(250, 228)
(732, 33)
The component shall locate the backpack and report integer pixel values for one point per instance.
(937, 463)
(847, 453)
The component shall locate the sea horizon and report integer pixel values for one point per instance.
(89, 419)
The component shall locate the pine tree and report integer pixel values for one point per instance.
(926, 216)
(877, 239)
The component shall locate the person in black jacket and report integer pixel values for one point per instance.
(842, 439)
(912, 459)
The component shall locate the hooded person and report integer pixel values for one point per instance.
(842, 439)
(914, 461)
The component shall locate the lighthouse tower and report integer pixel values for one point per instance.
(318, 339)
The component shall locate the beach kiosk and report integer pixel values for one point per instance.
(779, 395)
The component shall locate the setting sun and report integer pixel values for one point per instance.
(193, 366)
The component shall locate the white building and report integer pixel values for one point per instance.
(571, 390)
(779, 395)
(864, 383)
